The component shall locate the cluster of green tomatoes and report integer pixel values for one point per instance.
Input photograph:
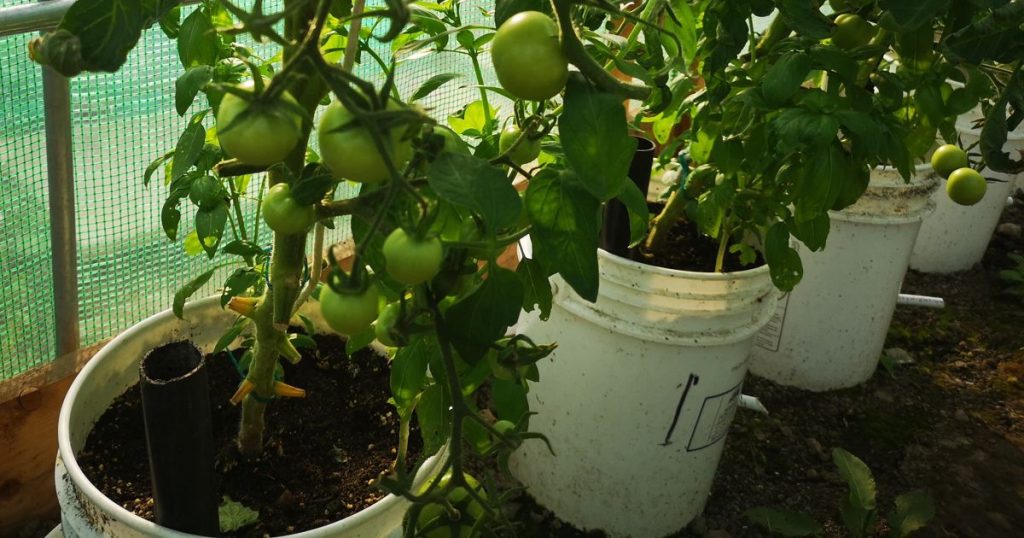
(964, 185)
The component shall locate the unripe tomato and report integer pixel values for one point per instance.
(283, 214)
(527, 150)
(386, 323)
(351, 154)
(435, 518)
(948, 159)
(452, 141)
(852, 31)
(528, 57)
(351, 312)
(264, 135)
(410, 260)
(966, 186)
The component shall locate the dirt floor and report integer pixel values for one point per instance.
(948, 419)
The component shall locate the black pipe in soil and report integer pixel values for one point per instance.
(179, 438)
(615, 228)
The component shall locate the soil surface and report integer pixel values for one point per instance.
(686, 249)
(946, 418)
(321, 451)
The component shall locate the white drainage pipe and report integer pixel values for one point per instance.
(920, 300)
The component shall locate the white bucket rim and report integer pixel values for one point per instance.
(682, 273)
(140, 524)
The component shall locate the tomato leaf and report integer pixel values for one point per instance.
(210, 227)
(799, 126)
(784, 262)
(433, 417)
(432, 84)
(912, 15)
(240, 247)
(600, 149)
(154, 166)
(409, 369)
(784, 78)
(565, 229)
(509, 400)
(188, 290)
(536, 288)
(197, 40)
(187, 86)
(820, 182)
(475, 184)
(636, 207)
(238, 283)
(483, 316)
(312, 185)
(812, 232)
(231, 334)
(805, 18)
(187, 151)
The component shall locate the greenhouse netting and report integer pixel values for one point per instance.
(127, 268)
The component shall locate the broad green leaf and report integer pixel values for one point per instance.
(239, 247)
(913, 511)
(784, 78)
(231, 334)
(821, 182)
(187, 86)
(433, 418)
(312, 185)
(359, 341)
(509, 400)
(485, 315)
(862, 130)
(854, 185)
(197, 40)
(97, 35)
(635, 202)
(812, 232)
(210, 227)
(237, 283)
(798, 126)
(909, 15)
(432, 84)
(804, 17)
(188, 290)
(473, 121)
(600, 150)
(536, 287)
(186, 152)
(409, 369)
(565, 230)
(858, 477)
(477, 185)
(235, 515)
(155, 165)
(783, 523)
(784, 262)
(191, 244)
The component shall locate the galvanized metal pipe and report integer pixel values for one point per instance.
(32, 17)
(60, 178)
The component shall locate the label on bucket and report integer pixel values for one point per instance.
(713, 421)
(770, 336)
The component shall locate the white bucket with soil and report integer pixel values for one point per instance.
(638, 396)
(828, 333)
(954, 237)
(87, 513)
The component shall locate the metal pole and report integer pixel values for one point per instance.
(60, 177)
(26, 18)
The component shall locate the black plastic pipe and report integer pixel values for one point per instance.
(179, 438)
(615, 228)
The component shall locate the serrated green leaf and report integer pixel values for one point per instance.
(476, 185)
(409, 369)
(600, 149)
(235, 515)
(483, 316)
(785, 77)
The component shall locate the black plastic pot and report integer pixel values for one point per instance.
(179, 438)
(615, 227)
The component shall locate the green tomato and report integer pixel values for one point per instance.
(206, 192)
(410, 260)
(283, 214)
(948, 159)
(351, 312)
(528, 57)
(386, 324)
(852, 31)
(452, 141)
(351, 153)
(524, 152)
(499, 370)
(966, 186)
(433, 520)
(264, 134)
(504, 426)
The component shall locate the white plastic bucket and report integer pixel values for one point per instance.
(829, 331)
(638, 396)
(87, 513)
(954, 237)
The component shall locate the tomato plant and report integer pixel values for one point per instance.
(257, 132)
(283, 214)
(528, 57)
(411, 260)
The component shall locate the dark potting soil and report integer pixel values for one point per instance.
(688, 250)
(321, 452)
